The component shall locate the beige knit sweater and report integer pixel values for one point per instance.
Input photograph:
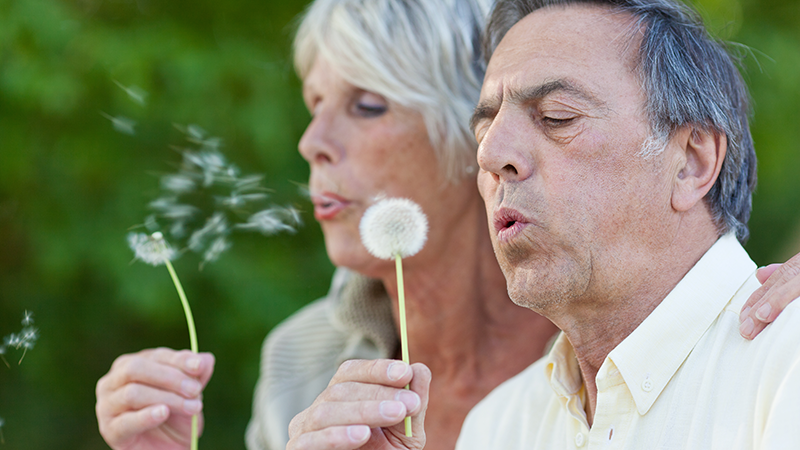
(300, 356)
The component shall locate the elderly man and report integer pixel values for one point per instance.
(617, 167)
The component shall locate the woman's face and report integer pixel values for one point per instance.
(359, 147)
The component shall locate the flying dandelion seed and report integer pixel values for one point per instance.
(25, 339)
(208, 199)
(134, 92)
(121, 123)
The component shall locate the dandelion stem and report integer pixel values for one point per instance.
(401, 296)
(5, 361)
(192, 332)
(24, 351)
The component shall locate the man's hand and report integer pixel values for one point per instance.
(364, 407)
(147, 399)
(781, 286)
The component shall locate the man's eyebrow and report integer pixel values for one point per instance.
(484, 110)
(489, 109)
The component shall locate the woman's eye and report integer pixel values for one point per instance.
(369, 104)
(369, 110)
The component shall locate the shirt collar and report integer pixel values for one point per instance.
(649, 357)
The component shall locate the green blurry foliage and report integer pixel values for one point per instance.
(71, 186)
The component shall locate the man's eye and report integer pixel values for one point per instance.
(557, 121)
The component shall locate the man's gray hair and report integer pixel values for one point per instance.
(421, 54)
(689, 78)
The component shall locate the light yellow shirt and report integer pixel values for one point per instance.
(684, 379)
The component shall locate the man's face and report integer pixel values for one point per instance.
(574, 211)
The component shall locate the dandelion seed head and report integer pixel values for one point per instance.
(394, 226)
(152, 249)
(27, 318)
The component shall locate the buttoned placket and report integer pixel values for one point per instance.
(615, 406)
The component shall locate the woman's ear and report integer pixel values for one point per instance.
(701, 155)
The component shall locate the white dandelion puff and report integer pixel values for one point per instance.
(151, 249)
(394, 226)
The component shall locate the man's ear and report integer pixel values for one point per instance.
(701, 154)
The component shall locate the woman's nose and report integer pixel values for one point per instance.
(319, 143)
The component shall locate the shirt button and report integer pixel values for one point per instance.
(647, 385)
(579, 439)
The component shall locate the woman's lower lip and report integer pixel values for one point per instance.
(508, 233)
(328, 211)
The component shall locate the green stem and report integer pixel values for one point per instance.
(192, 332)
(401, 296)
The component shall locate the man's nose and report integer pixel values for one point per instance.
(505, 151)
(319, 143)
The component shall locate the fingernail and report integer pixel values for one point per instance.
(410, 399)
(745, 312)
(159, 412)
(762, 313)
(357, 433)
(190, 387)
(747, 327)
(193, 363)
(396, 370)
(392, 410)
(192, 406)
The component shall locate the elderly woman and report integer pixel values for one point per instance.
(390, 85)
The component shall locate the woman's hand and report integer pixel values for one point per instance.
(147, 399)
(364, 406)
(781, 286)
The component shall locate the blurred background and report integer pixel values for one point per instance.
(91, 92)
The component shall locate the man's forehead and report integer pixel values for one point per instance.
(584, 35)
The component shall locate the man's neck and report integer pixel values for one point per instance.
(595, 326)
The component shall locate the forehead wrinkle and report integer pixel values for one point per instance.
(536, 93)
